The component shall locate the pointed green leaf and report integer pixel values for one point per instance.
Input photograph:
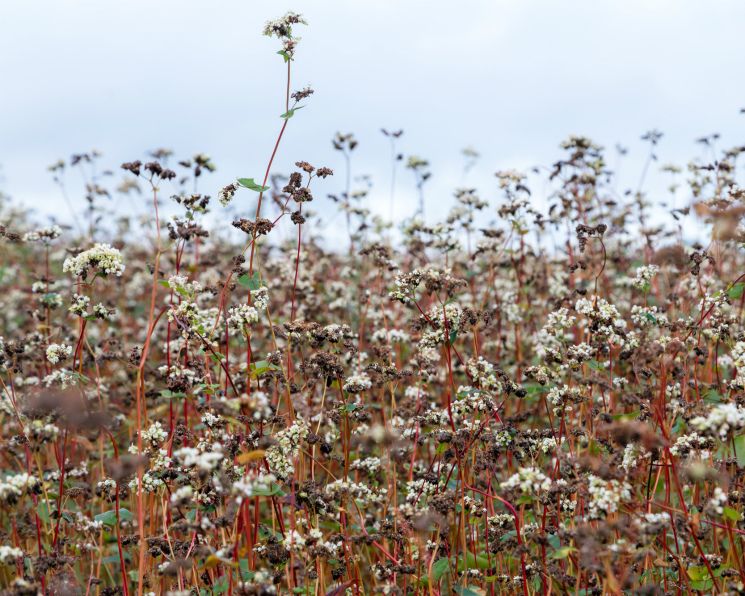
(252, 185)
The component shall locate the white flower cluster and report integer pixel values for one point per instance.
(150, 483)
(56, 352)
(435, 337)
(87, 525)
(359, 492)
(182, 285)
(79, 305)
(722, 419)
(606, 496)
(417, 488)
(41, 431)
(549, 444)
(602, 310)
(258, 402)
(560, 397)
(279, 457)
(240, 317)
(101, 311)
(47, 234)
(644, 276)
(468, 400)
(357, 383)
(182, 494)
(718, 500)
(393, 336)
(632, 455)
(282, 29)
(578, 354)
(511, 308)
(693, 442)
(9, 554)
(406, 283)
(225, 195)
(528, 480)
(371, 465)
(500, 520)
(738, 354)
(186, 313)
(160, 461)
(294, 541)
(51, 300)
(250, 486)
(191, 457)
(15, 486)
(653, 519)
(482, 372)
(107, 259)
(647, 316)
(210, 420)
(260, 297)
(558, 320)
(155, 434)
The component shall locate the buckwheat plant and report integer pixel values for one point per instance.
(524, 398)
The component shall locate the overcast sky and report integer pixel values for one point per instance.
(509, 78)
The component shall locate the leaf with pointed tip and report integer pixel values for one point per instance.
(251, 184)
(291, 113)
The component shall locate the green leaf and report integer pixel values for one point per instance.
(595, 365)
(109, 517)
(261, 367)
(740, 450)
(42, 509)
(291, 113)
(273, 491)
(250, 184)
(285, 55)
(442, 448)
(732, 514)
(164, 282)
(168, 394)
(473, 562)
(469, 591)
(562, 553)
(438, 568)
(736, 290)
(626, 416)
(697, 573)
(251, 282)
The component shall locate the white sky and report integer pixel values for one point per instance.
(509, 78)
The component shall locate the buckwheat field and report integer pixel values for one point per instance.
(418, 409)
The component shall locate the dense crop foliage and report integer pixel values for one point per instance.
(463, 406)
